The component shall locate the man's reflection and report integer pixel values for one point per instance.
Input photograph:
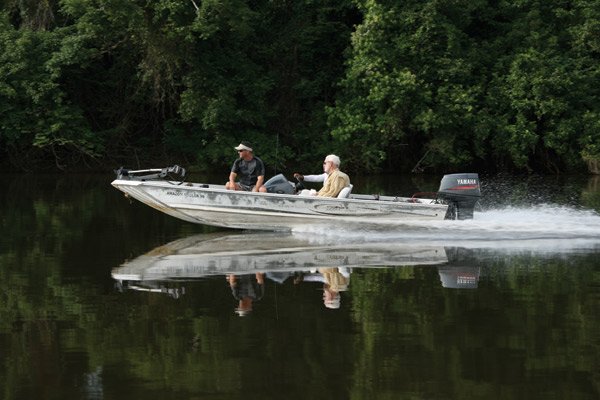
(246, 289)
(335, 280)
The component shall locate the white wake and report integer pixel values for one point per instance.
(544, 227)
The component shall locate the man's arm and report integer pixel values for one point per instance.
(260, 277)
(315, 178)
(232, 177)
(231, 279)
(259, 183)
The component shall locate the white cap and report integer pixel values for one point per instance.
(244, 146)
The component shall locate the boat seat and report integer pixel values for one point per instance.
(345, 192)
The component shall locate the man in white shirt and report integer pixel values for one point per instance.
(333, 179)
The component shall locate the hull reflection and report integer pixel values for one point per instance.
(207, 255)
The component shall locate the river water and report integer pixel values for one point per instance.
(103, 298)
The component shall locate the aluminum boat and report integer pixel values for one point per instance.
(282, 209)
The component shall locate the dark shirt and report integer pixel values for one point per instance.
(248, 171)
(247, 286)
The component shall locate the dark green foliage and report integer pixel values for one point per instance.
(501, 85)
(37, 118)
(511, 85)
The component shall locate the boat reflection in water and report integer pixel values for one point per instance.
(248, 260)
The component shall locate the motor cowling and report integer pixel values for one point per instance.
(461, 192)
(279, 184)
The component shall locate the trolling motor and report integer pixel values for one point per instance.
(461, 192)
(174, 173)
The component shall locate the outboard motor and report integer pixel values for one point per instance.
(279, 184)
(461, 192)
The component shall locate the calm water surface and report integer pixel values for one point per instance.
(101, 298)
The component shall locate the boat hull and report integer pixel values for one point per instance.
(216, 206)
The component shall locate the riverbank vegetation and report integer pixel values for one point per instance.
(426, 85)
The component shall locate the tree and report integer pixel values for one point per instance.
(37, 119)
(501, 85)
(410, 81)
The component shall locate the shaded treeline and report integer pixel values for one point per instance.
(496, 85)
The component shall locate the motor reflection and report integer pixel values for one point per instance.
(459, 277)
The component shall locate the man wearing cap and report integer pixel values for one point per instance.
(249, 168)
(336, 179)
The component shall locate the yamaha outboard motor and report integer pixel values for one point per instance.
(278, 184)
(461, 192)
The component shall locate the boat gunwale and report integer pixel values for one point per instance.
(215, 188)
